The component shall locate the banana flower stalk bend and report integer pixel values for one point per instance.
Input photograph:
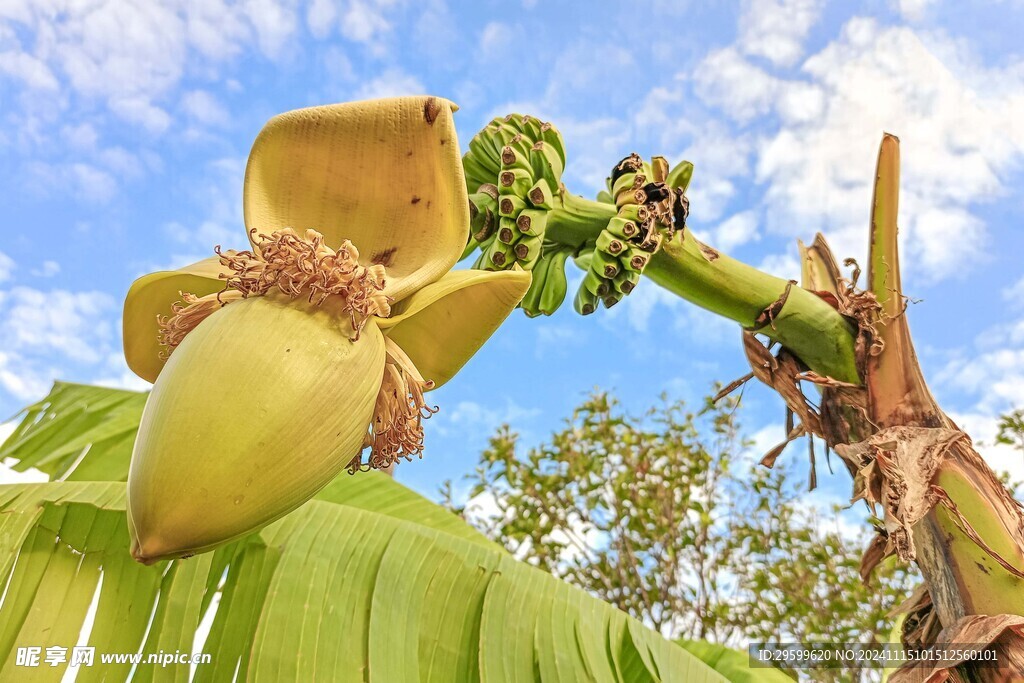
(275, 367)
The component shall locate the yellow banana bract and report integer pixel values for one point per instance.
(149, 298)
(275, 366)
(394, 163)
(259, 407)
(435, 326)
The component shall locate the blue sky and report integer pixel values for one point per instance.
(126, 125)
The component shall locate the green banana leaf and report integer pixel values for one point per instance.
(367, 582)
(78, 432)
(733, 664)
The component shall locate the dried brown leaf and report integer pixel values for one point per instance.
(1004, 631)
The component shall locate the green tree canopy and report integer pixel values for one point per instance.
(666, 516)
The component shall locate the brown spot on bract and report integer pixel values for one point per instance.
(415, 199)
(430, 110)
(385, 257)
(409, 153)
(443, 141)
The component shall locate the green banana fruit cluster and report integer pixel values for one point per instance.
(514, 176)
(549, 286)
(513, 172)
(652, 206)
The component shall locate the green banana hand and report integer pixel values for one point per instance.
(557, 285)
(549, 286)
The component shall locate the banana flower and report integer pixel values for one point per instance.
(276, 366)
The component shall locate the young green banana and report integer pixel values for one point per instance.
(585, 302)
(549, 286)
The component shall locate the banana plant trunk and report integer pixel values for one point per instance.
(943, 505)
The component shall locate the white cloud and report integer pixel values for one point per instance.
(47, 269)
(44, 334)
(87, 182)
(994, 379)
(392, 82)
(554, 339)
(776, 29)
(274, 22)
(33, 72)
(913, 10)
(710, 195)
(321, 17)
(785, 266)
(764, 439)
(141, 111)
(989, 382)
(362, 22)
(586, 66)
(131, 54)
(1015, 293)
(468, 413)
(121, 161)
(473, 421)
(217, 29)
(727, 80)
(985, 381)
(736, 231)
(496, 38)
(816, 137)
(337, 65)
(7, 267)
(119, 376)
(116, 48)
(205, 108)
(82, 136)
(58, 320)
(721, 158)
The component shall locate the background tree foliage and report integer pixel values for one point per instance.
(666, 516)
(1011, 429)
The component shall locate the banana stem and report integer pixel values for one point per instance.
(806, 324)
(575, 220)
